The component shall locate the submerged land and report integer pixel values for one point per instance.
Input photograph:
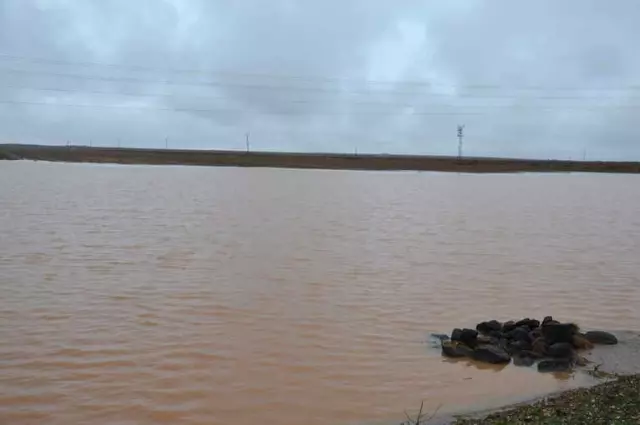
(306, 160)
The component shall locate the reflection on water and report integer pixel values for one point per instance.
(183, 295)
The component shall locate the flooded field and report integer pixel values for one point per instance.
(198, 296)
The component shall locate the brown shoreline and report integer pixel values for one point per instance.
(326, 161)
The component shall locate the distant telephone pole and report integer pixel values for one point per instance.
(247, 141)
(166, 143)
(460, 137)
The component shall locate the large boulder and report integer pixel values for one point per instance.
(554, 365)
(454, 349)
(561, 332)
(469, 337)
(487, 327)
(561, 350)
(456, 334)
(491, 354)
(601, 337)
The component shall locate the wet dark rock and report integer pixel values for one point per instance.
(456, 334)
(601, 337)
(455, 349)
(436, 340)
(491, 354)
(487, 327)
(496, 334)
(487, 340)
(523, 360)
(518, 346)
(520, 334)
(546, 320)
(561, 332)
(532, 354)
(508, 326)
(535, 334)
(469, 337)
(554, 365)
(561, 350)
(539, 347)
(529, 323)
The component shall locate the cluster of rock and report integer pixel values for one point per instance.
(554, 346)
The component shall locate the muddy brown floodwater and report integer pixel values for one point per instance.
(185, 295)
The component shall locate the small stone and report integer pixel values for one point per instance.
(546, 320)
(455, 349)
(555, 365)
(491, 354)
(581, 361)
(561, 350)
(601, 337)
(561, 332)
(579, 342)
(440, 337)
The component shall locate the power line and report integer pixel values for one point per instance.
(236, 74)
(20, 102)
(342, 91)
(308, 101)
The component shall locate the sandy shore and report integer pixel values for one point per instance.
(614, 400)
(308, 161)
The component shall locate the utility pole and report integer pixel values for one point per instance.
(118, 142)
(460, 137)
(90, 143)
(166, 143)
(584, 154)
(247, 141)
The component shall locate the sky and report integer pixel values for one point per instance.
(540, 79)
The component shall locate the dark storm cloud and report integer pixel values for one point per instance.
(542, 78)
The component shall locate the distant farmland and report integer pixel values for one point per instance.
(306, 160)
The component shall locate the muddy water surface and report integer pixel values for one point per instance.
(176, 295)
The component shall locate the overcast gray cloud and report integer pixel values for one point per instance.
(537, 79)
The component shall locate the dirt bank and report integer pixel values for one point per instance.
(310, 161)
